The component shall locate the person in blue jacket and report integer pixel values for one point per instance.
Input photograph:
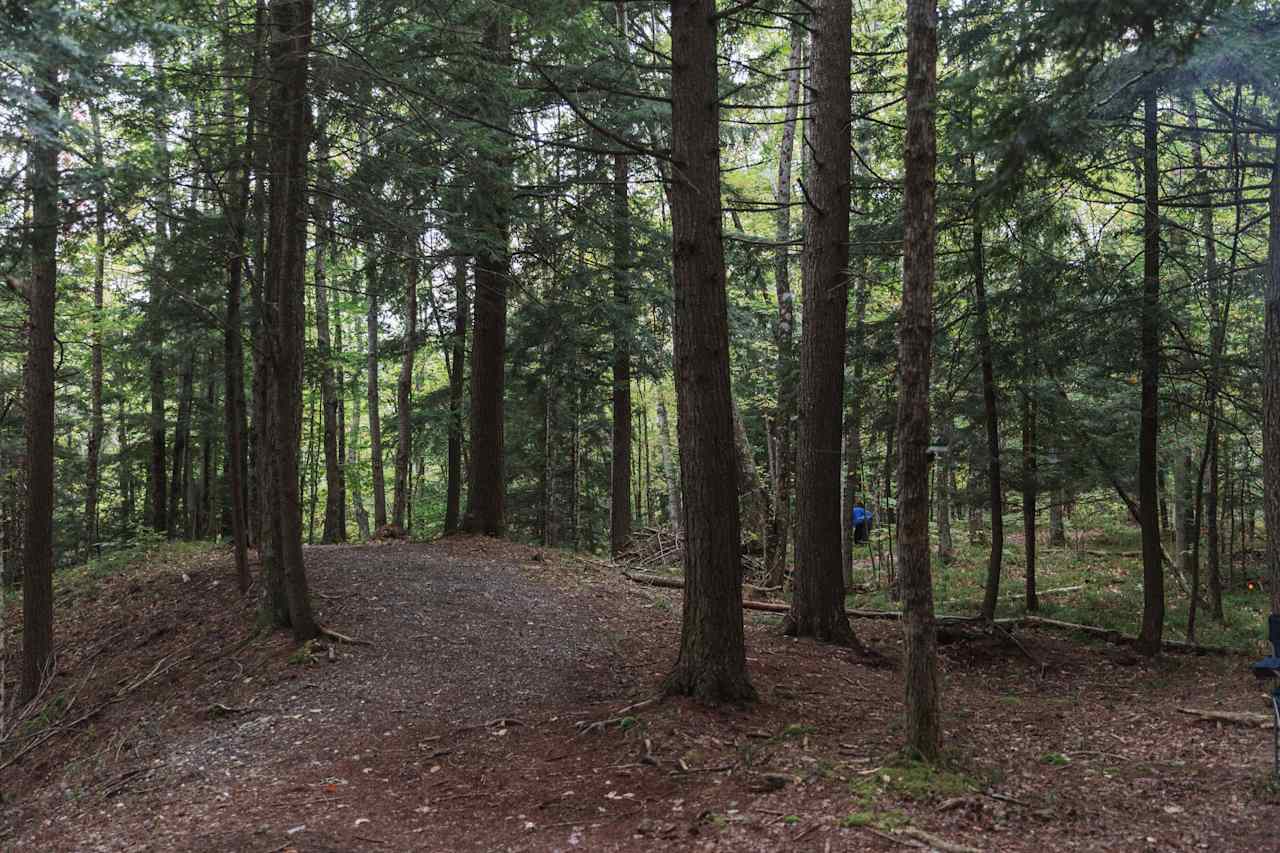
(861, 522)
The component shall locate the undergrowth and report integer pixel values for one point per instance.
(1103, 561)
(147, 548)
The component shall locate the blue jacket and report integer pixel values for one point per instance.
(860, 516)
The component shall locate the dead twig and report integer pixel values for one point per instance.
(342, 638)
(1239, 718)
(618, 716)
(935, 842)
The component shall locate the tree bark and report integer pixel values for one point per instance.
(817, 603)
(924, 724)
(178, 507)
(334, 480)
(1271, 388)
(1187, 531)
(620, 490)
(1057, 518)
(376, 479)
(675, 511)
(486, 492)
(783, 427)
(1030, 495)
(752, 498)
(157, 496)
(943, 489)
(234, 408)
(290, 44)
(623, 322)
(990, 411)
(712, 663)
(38, 392)
(353, 462)
(404, 388)
(1151, 635)
(457, 382)
(974, 495)
(853, 486)
(97, 424)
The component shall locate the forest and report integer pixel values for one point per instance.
(936, 345)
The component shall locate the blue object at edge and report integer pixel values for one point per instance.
(1264, 667)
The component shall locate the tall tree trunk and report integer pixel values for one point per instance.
(1271, 388)
(943, 488)
(404, 388)
(1151, 635)
(675, 510)
(486, 492)
(234, 409)
(341, 380)
(752, 498)
(991, 414)
(712, 663)
(202, 497)
(783, 427)
(817, 603)
(353, 463)
(457, 382)
(96, 423)
(1030, 496)
(853, 428)
(1057, 518)
(1186, 531)
(1213, 379)
(259, 437)
(157, 496)
(178, 507)
(623, 322)
(334, 480)
(376, 480)
(974, 494)
(290, 111)
(915, 331)
(38, 393)
(124, 464)
(620, 490)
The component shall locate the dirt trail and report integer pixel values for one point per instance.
(455, 729)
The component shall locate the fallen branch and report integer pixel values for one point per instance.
(1239, 718)
(935, 842)
(618, 716)
(666, 582)
(1115, 637)
(63, 725)
(342, 638)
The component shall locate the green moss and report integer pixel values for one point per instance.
(913, 780)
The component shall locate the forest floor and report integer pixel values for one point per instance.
(175, 725)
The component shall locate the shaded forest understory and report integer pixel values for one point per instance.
(174, 723)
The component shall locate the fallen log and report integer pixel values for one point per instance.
(1239, 718)
(1039, 593)
(666, 582)
(1116, 638)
